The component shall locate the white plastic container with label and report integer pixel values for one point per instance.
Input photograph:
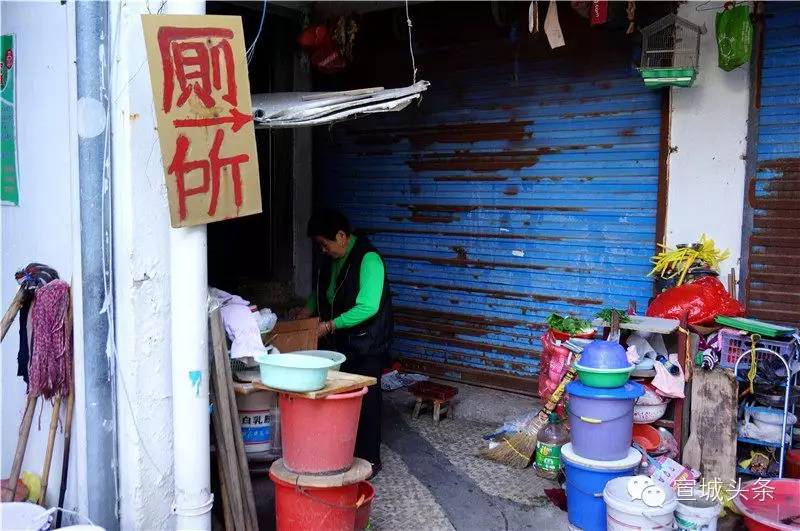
(258, 416)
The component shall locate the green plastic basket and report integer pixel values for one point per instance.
(668, 77)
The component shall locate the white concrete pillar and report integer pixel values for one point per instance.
(160, 297)
(708, 138)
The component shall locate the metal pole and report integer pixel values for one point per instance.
(92, 46)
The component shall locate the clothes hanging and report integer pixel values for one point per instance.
(23, 356)
(533, 17)
(552, 28)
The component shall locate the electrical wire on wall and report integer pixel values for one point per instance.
(251, 50)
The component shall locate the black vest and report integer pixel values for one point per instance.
(374, 335)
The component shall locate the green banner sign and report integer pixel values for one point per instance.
(9, 193)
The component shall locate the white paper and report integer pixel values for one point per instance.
(552, 28)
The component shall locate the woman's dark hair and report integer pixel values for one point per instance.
(327, 223)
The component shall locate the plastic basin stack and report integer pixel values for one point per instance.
(601, 427)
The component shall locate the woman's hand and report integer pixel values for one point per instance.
(300, 313)
(325, 328)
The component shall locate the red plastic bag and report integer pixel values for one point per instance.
(315, 37)
(328, 60)
(704, 299)
(553, 365)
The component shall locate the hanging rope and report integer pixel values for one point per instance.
(631, 12)
(751, 374)
(411, 47)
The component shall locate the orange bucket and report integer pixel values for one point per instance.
(319, 436)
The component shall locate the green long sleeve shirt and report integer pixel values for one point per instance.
(370, 289)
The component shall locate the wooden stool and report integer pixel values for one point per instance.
(439, 395)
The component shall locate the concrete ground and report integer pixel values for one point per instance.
(433, 478)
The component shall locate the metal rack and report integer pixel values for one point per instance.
(787, 393)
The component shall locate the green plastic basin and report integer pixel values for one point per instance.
(294, 372)
(604, 378)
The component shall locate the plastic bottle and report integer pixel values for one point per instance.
(548, 447)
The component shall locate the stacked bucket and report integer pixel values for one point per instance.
(601, 429)
(319, 484)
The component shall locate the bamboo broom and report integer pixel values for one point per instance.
(517, 449)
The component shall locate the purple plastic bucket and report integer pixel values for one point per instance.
(601, 420)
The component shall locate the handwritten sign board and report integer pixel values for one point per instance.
(202, 98)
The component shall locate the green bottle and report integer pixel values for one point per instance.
(549, 441)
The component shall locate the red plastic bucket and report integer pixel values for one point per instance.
(366, 493)
(310, 508)
(319, 436)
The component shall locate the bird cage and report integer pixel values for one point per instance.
(670, 52)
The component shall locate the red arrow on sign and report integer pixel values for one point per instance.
(236, 118)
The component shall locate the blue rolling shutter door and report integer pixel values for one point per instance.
(498, 202)
(773, 276)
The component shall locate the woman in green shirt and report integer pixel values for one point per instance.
(353, 301)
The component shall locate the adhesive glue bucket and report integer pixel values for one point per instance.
(626, 514)
(257, 417)
(21, 516)
(586, 479)
(319, 436)
(601, 420)
(697, 513)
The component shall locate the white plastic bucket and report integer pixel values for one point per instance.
(257, 417)
(697, 514)
(626, 514)
(20, 516)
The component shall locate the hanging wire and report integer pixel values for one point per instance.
(251, 50)
(411, 48)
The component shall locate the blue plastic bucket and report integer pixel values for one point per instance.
(586, 480)
(601, 420)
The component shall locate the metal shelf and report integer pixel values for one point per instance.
(787, 384)
(759, 442)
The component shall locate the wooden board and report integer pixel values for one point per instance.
(655, 325)
(337, 382)
(714, 404)
(291, 336)
(360, 471)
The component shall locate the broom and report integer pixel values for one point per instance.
(517, 449)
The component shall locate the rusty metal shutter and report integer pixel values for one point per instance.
(513, 191)
(772, 282)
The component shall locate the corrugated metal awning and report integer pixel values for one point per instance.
(297, 109)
